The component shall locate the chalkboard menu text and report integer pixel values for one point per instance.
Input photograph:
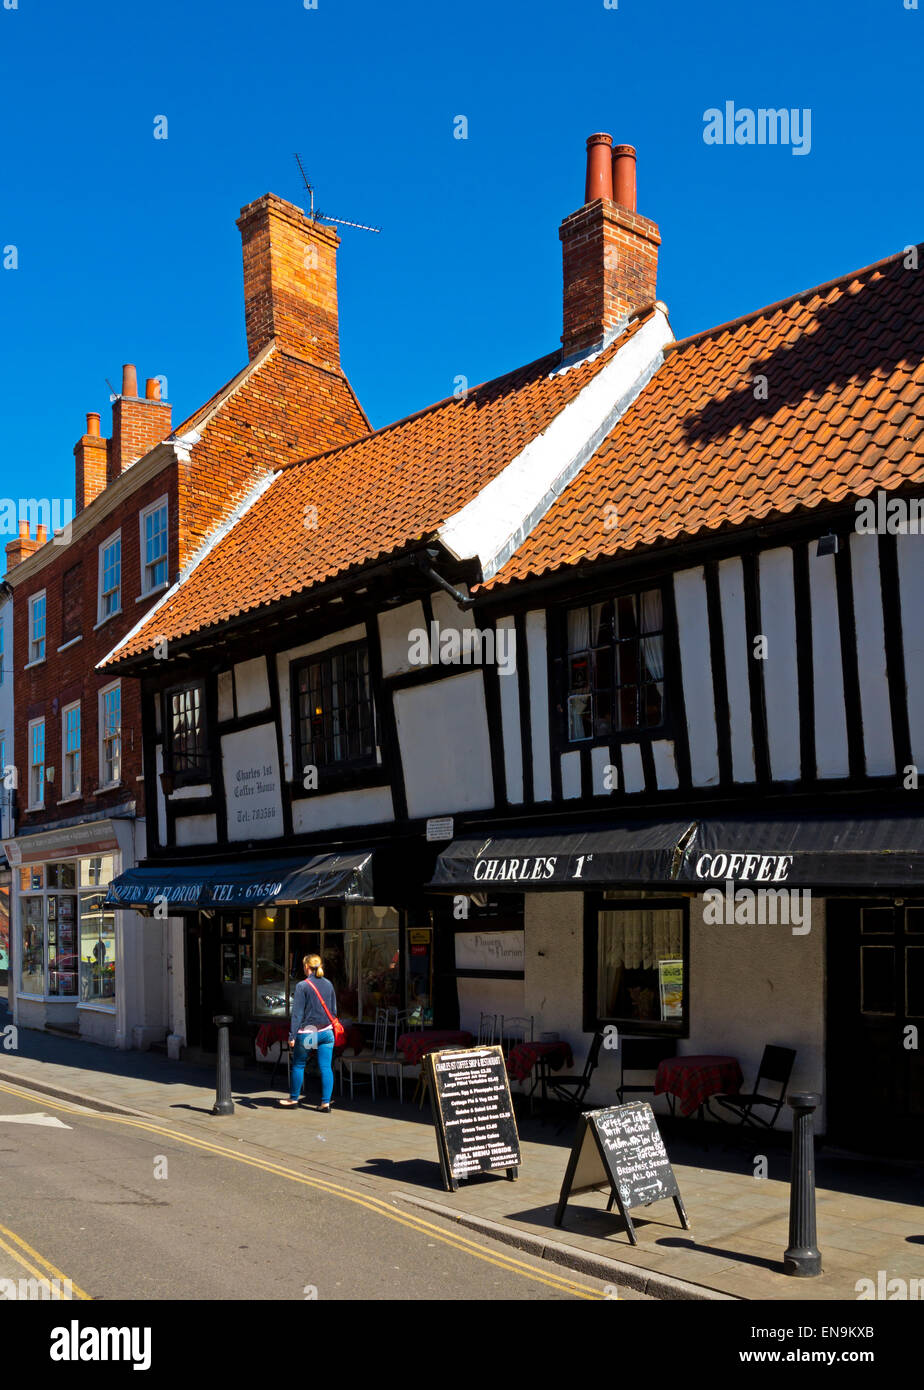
(476, 1128)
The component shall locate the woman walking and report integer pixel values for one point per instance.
(311, 1027)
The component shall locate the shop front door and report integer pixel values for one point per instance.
(875, 1052)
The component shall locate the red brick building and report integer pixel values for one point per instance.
(150, 501)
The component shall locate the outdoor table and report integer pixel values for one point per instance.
(543, 1057)
(692, 1080)
(416, 1045)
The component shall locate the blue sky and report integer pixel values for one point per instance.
(128, 249)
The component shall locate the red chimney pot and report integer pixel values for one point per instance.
(624, 192)
(152, 389)
(129, 380)
(93, 423)
(599, 182)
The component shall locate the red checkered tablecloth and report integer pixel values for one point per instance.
(272, 1033)
(415, 1046)
(694, 1079)
(526, 1055)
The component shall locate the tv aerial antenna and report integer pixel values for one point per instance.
(316, 215)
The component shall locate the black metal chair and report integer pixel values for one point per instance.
(776, 1067)
(572, 1090)
(642, 1054)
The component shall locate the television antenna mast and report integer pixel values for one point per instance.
(316, 215)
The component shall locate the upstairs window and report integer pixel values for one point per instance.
(186, 752)
(110, 577)
(36, 763)
(334, 712)
(110, 735)
(37, 627)
(615, 675)
(154, 546)
(70, 744)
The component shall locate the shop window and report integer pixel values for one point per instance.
(333, 709)
(636, 966)
(68, 936)
(185, 755)
(615, 666)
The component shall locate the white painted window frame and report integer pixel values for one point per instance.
(33, 600)
(33, 725)
(101, 615)
(67, 792)
(162, 504)
(113, 685)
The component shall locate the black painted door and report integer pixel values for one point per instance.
(875, 1052)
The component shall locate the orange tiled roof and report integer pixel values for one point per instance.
(374, 497)
(698, 451)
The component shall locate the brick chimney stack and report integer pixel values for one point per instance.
(138, 423)
(290, 281)
(609, 252)
(90, 453)
(22, 547)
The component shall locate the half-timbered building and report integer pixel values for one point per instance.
(595, 695)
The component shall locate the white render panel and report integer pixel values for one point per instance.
(366, 806)
(665, 764)
(395, 626)
(633, 771)
(696, 671)
(251, 686)
(283, 661)
(570, 775)
(828, 702)
(191, 793)
(225, 695)
(779, 669)
(875, 710)
(196, 830)
(600, 760)
(496, 522)
(911, 590)
(737, 656)
(537, 665)
(253, 795)
(510, 728)
(445, 748)
(448, 613)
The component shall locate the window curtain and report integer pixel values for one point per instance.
(637, 940)
(652, 621)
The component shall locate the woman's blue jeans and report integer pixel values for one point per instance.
(323, 1040)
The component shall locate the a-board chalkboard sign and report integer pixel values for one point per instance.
(621, 1148)
(476, 1129)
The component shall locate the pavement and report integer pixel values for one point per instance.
(734, 1184)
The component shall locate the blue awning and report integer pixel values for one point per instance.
(336, 876)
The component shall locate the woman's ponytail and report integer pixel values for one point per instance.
(314, 963)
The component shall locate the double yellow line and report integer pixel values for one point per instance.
(373, 1204)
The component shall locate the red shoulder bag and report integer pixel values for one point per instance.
(339, 1030)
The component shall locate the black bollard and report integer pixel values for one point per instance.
(803, 1258)
(224, 1105)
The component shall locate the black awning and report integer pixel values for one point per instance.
(833, 851)
(540, 860)
(336, 876)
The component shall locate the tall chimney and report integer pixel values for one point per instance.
(138, 423)
(609, 252)
(91, 453)
(21, 548)
(290, 281)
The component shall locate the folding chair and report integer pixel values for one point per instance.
(514, 1030)
(487, 1030)
(642, 1054)
(776, 1067)
(572, 1090)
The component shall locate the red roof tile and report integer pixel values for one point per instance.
(698, 452)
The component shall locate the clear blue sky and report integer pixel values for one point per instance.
(128, 249)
